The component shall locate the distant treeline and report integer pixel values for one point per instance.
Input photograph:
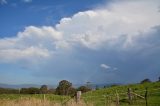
(64, 88)
(30, 90)
(8, 91)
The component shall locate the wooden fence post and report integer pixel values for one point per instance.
(129, 95)
(44, 97)
(78, 96)
(19, 90)
(117, 99)
(146, 94)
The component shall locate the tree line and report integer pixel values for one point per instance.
(64, 88)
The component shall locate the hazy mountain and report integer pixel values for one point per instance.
(23, 86)
(93, 86)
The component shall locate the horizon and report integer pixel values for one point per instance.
(61, 80)
(75, 84)
(100, 41)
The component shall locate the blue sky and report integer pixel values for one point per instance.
(45, 41)
(38, 13)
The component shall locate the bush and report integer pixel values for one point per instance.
(83, 89)
(43, 89)
(8, 91)
(145, 81)
(51, 91)
(31, 90)
(65, 88)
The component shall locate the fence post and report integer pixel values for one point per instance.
(44, 97)
(19, 90)
(129, 95)
(146, 94)
(117, 99)
(78, 96)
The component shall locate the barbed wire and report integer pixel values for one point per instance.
(122, 93)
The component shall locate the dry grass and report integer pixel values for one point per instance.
(27, 102)
(38, 102)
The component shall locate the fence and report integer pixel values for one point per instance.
(130, 97)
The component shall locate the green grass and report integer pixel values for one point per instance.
(102, 97)
(107, 96)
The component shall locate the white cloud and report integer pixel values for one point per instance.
(27, 1)
(104, 66)
(3, 2)
(116, 25)
(107, 67)
(112, 27)
(40, 33)
(31, 53)
(115, 68)
(31, 44)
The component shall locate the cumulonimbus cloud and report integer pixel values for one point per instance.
(115, 26)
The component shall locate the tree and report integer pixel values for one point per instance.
(43, 89)
(8, 91)
(97, 88)
(88, 85)
(63, 87)
(72, 91)
(145, 81)
(84, 89)
(30, 90)
(51, 91)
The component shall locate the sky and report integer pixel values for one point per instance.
(100, 41)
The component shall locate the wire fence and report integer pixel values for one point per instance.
(128, 97)
(145, 97)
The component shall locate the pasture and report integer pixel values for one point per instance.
(102, 97)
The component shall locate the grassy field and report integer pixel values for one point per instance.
(108, 96)
(101, 97)
(38, 100)
(49, 97)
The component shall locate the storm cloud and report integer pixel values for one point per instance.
(122, 35)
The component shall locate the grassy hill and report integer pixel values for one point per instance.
(108, 96)
(102, 97)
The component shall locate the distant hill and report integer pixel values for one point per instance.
(22, 86)
(105, 85)
(93, 86)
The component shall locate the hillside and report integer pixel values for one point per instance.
(109, 96)
(102, 97)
